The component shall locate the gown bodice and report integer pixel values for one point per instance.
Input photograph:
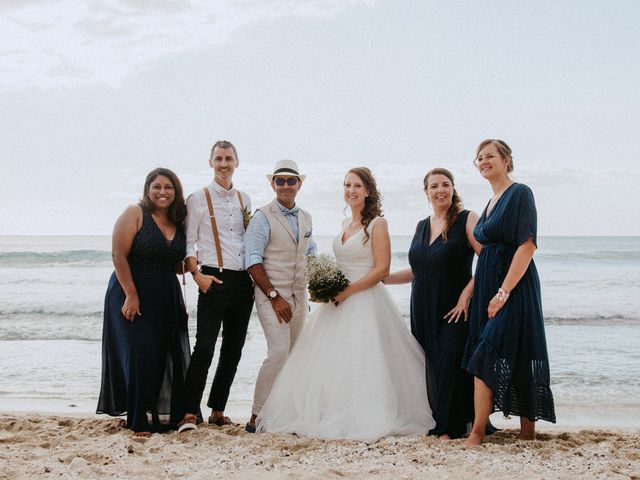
(354, 256)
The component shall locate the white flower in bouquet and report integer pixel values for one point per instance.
(325, 279)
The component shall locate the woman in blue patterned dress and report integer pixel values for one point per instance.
(145, 343)
(506, 350)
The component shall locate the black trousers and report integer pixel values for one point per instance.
(228, 306)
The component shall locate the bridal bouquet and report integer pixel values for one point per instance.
(325, 279)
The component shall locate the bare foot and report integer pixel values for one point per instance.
(444, 436)
(474, 439)
(142, 434)
(527, 429)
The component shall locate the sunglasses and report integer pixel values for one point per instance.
(291, 181)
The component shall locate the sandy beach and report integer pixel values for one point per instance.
(89, 447)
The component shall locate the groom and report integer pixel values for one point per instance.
(278, 241)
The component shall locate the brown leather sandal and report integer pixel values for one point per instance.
(221, 421)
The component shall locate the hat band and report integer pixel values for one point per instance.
(286, 170)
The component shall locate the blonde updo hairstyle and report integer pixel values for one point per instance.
(503, 149)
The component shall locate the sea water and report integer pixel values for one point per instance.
(51, 303)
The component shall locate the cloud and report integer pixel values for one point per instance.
(68, 43)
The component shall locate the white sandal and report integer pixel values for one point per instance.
(187, 424)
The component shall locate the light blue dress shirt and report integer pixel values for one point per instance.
(259, 231)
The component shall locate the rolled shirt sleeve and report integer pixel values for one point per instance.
(256, 239)
(312, 250)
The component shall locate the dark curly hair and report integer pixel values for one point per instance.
(178, 209)
(456, 201)
(372, 202)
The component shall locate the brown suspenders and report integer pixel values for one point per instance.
(214, 224)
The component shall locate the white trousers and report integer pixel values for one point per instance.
(280, 340)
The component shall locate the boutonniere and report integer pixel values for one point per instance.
(246, 217)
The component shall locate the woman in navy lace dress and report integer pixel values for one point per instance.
(506, 350)
(145, 343)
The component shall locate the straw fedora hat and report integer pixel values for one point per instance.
(286, 167)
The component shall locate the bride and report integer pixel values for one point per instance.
(355, 372)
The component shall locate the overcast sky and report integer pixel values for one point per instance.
(94, 94)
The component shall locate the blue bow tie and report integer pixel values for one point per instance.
(293, 213)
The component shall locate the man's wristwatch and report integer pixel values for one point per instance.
(273, 294)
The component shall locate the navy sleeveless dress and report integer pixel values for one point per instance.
(509, 352)
(144, 362)
(440, 273)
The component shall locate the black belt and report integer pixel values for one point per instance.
(224, 273)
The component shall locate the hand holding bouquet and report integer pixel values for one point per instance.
(325, 279)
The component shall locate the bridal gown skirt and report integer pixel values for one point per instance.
(355, 372)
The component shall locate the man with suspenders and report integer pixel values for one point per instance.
(215, 229)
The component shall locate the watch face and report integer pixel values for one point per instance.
(273, 294)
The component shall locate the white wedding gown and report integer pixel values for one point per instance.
(355, 372)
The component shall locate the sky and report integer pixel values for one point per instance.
(95, 94)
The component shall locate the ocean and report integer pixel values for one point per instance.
(52, 292)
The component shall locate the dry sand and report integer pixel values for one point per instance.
(77, 447)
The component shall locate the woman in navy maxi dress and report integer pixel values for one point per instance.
(145, 347)
(440, 272)
(441, 256)
(506, 350)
